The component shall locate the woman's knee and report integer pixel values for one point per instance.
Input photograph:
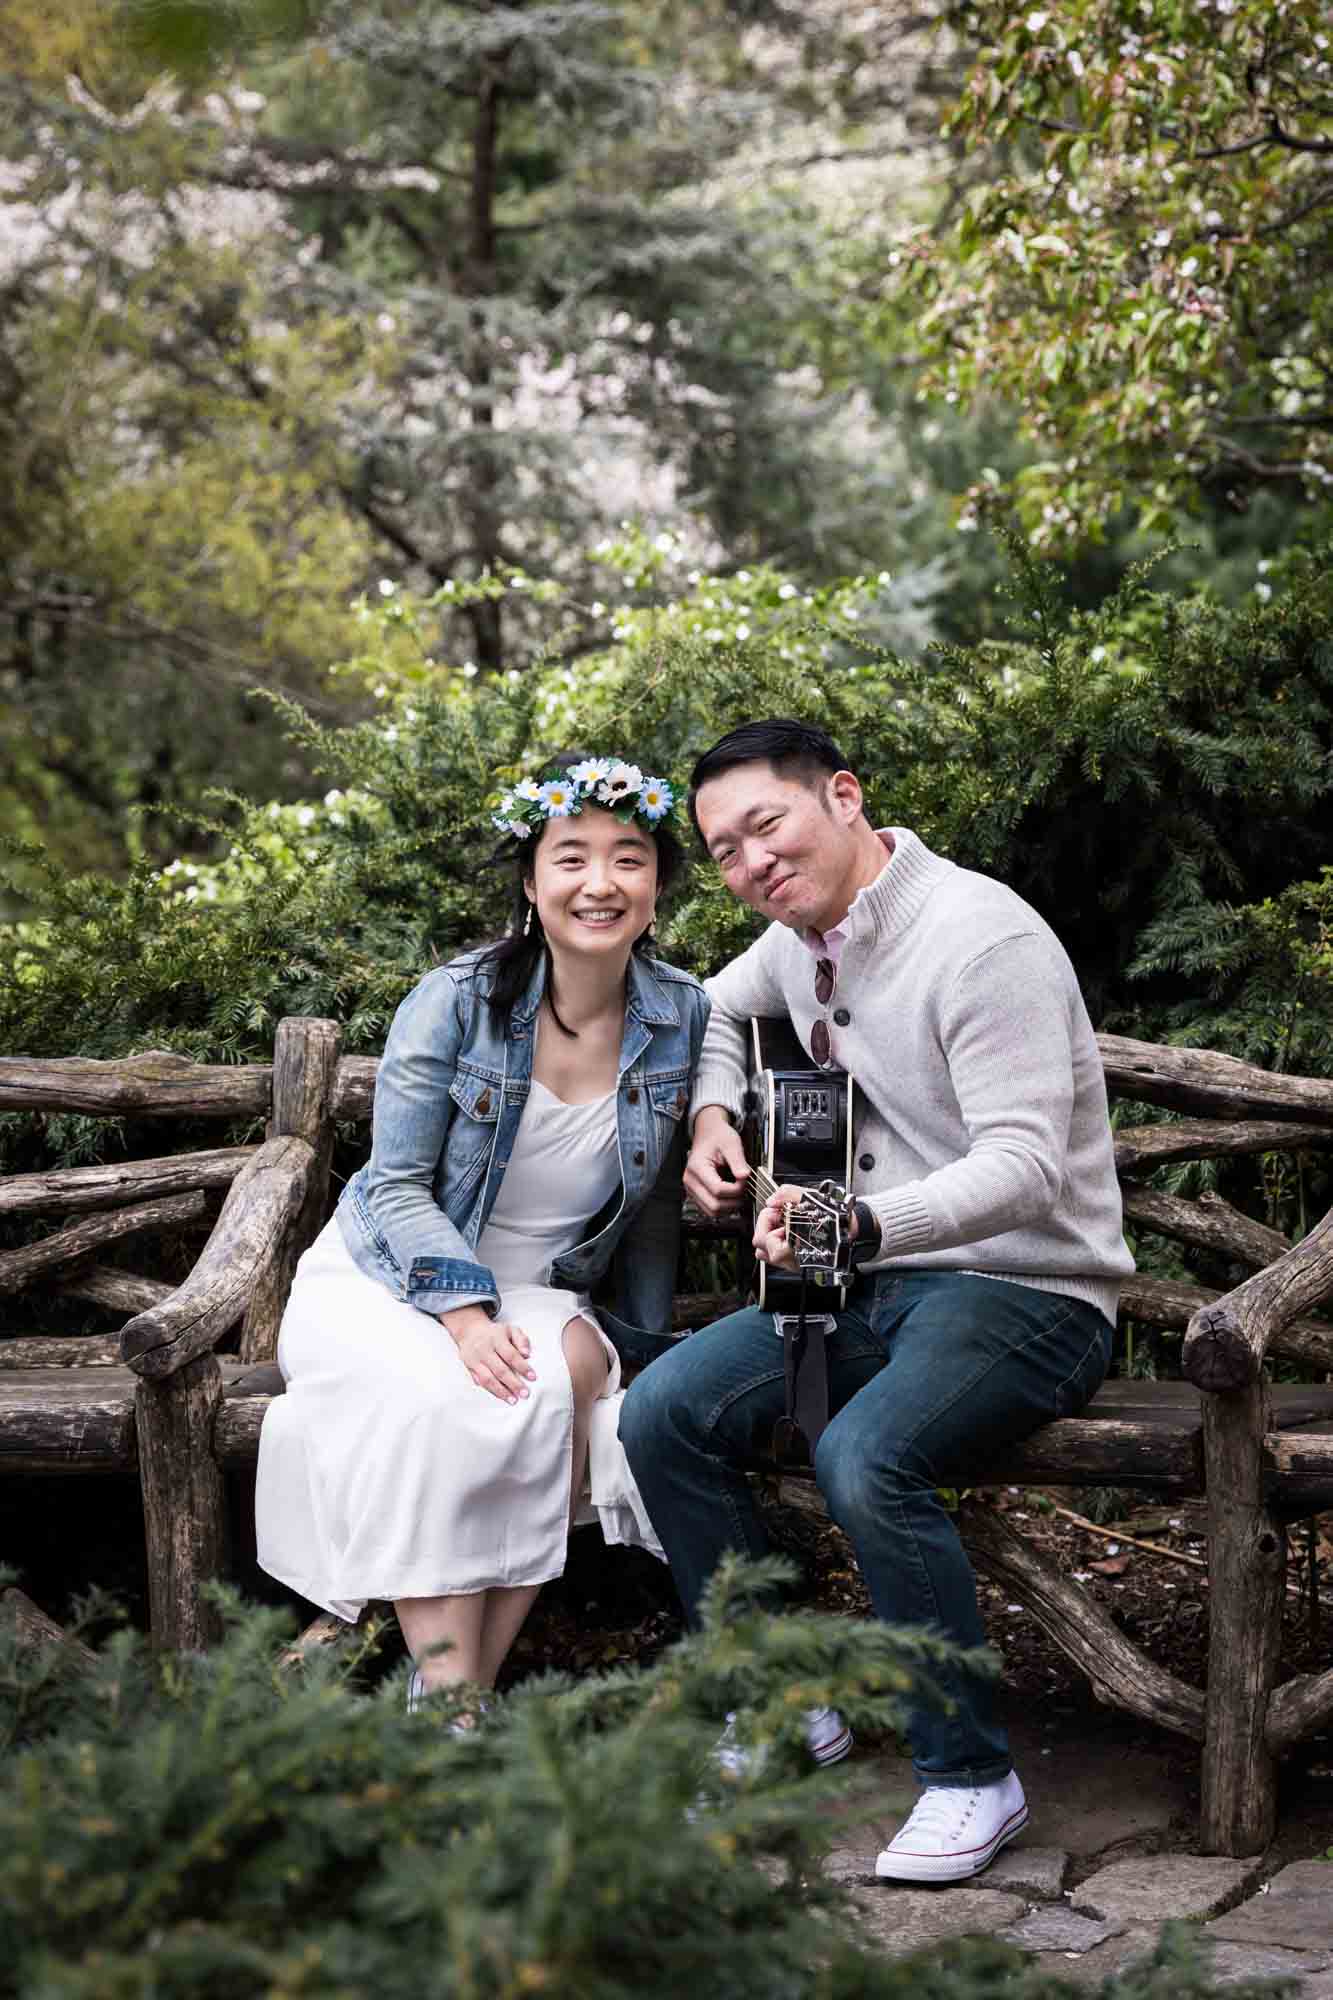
(585, 1358)
(645, 1415)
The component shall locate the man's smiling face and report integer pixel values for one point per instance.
(786, 848)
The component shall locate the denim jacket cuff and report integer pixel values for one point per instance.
(441, 1284)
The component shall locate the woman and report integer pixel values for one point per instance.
(442, 1357)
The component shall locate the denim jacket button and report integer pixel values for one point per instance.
(639, 1158)
(632, 1094)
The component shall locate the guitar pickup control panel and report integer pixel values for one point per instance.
(809, 1117)
(808, 1113)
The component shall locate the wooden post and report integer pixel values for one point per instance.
(1247, 1552)
(184, 1503)
(305, 1077)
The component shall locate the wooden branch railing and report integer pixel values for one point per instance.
(160, 1083)
(22, 1267)
(156, 1084)
(76, 1190)
(1218, 1086)
(185, 1429)
(1208, 1222)
(1170, 1303)
(1140, 1148)
(265, 1199)
(1226, 1343)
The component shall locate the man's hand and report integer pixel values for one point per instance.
(494, 1351)
(716, 1170)
(770, 1231)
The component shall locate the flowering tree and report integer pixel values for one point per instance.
(1150, 278)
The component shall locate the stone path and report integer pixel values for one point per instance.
(1087, 1886)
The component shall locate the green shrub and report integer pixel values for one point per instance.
(1154, 776)
(210, 1828)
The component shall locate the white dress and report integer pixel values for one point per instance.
(384, 1471)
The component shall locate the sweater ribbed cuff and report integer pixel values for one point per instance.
(717, 1086)
(904, 1221)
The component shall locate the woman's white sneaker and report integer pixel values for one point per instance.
(827, 1737)
(954, 1832)
(418, 1693)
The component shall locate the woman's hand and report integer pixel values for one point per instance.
(494, 1351)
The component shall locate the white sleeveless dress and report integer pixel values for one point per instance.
(384, 1471)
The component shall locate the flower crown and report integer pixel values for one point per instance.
(600, 781)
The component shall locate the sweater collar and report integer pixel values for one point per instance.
(887, 906)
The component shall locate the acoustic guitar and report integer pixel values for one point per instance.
(800, 1134)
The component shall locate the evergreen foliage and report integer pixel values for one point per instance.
(212, 1826)
(1153, 776)
(291, 293)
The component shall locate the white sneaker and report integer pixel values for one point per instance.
(827, 1737)
(417, 1694)
(954, 1832)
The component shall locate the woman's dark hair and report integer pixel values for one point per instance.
(795, 750)
(514, 958)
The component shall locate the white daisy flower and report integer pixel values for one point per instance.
(592, 771)
(558, 796)
(655, 798)
(620, 780)
(529, 789)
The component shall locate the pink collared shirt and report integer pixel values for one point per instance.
(828, 944)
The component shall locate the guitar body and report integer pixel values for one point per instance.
(801, 1134)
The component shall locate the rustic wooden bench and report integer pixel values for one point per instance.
(162, 1400)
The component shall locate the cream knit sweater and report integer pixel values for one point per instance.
(982, 1096)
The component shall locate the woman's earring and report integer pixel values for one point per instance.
(527, 922)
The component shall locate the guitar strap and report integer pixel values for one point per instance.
(805, 1368)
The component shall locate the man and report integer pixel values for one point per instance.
(988, 1230)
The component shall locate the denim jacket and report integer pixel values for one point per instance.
(448, 1098)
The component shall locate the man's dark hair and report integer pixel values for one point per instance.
(794, 749)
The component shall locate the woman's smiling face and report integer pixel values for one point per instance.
(594, 882)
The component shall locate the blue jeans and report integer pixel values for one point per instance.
(928, 1372)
